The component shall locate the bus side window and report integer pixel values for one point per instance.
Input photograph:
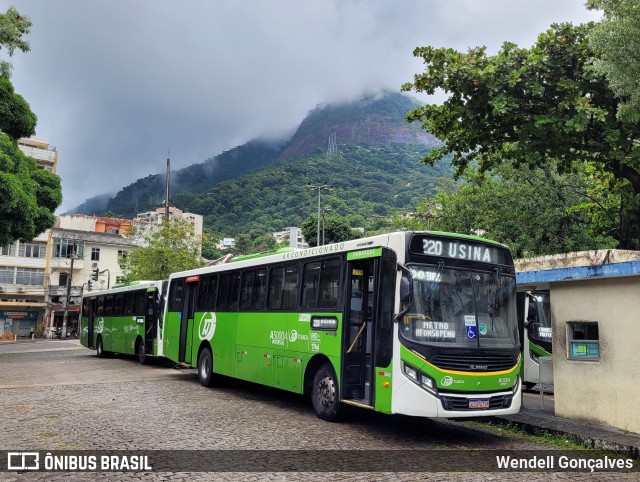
(128, 303)
(210, 303)
(139, 303)
(259, 289)
(108, 305)
(330, 283)
(117, 305)
(310, 285)
(290, 293)
(234, 291)
(176, 296)
(246, 290)
(100, 310)
(276, 288)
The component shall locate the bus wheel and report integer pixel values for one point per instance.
(324, 395)
(142, 355)
(205, 368)
(528, 386)
(100, 349)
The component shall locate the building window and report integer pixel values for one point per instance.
(32, 250)
(30, 276)
(95, 254)
(8, 250)
(121, 254)
(63, 279)
(6, 275)
(584, 340)
(63, 248)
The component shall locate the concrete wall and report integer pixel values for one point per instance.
(608, 390)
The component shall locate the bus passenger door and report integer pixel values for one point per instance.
(186, 325)
(91, 310)
(358, 341)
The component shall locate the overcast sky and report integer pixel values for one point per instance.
(116, 84)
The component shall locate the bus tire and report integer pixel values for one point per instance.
(100, 353)
(142, 355)
(205, 367)
(325, 395)
(528, 386)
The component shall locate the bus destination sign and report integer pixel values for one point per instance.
(458, 249)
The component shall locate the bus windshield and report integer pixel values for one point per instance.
(461, 307)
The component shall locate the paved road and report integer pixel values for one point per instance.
(71, 400)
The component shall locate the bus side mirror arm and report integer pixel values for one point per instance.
(400, 315)
(405, 292)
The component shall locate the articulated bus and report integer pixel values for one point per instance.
(534, 308)
(123, 320)
(416, 323)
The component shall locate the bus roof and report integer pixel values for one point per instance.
(394, 240)
(132, 286)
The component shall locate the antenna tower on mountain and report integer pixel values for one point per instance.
(332, 150)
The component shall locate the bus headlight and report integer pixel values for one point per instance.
(419, 378)
(411, 373)
(516, 384)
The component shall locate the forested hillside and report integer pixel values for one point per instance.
(369, 183)
(262, 185)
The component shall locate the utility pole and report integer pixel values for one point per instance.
(166, 191)
(66, 301)
(319, 187)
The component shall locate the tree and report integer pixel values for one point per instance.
(13, 27)
(616, 39)
(335, 228)
(534, 212)
(29, 196)
(170, 248)
(543, 106)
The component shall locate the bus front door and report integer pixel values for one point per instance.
(357, 375)
(186, 325)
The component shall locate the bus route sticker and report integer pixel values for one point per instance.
(207, 326)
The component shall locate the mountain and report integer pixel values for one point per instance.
(373, 164)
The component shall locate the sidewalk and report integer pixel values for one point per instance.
(536, 421)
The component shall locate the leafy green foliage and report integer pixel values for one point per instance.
(333, 229)
(16, 118)
(543, 106)
(13, 27)
(148, 193)
(171, 248)
(369, 184)
(616, 39)
(533, 211)
(28, 195)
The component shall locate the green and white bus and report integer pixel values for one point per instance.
(535, 310)
(123, 320)
(417, 323)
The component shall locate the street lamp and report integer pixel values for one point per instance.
(319, 187)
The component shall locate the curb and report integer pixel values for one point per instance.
(590, 436)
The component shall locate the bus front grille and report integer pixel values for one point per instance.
(462, 403)
(466, 363)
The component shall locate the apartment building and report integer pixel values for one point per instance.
(81, 246)
(294, 236)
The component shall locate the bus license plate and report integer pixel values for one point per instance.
(478, 403)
